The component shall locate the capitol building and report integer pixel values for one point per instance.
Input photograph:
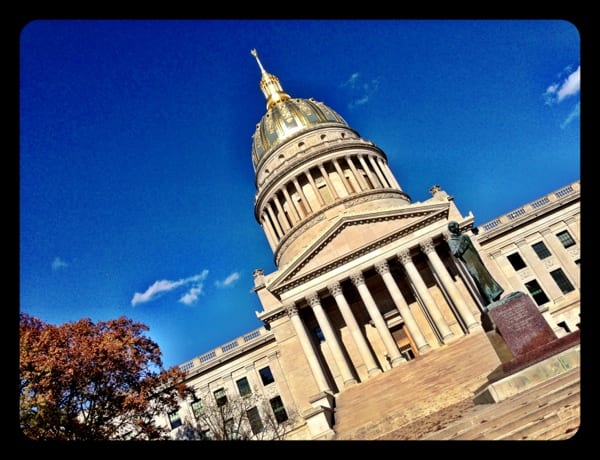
(365, 281)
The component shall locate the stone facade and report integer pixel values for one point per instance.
(365, 281)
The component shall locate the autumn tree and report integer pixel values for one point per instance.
(93, 381)
(236, 418)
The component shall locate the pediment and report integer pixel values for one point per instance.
(353, 236)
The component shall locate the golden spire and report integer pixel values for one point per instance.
(270, 86)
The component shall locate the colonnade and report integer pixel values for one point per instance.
(317, 186)
(421, 291)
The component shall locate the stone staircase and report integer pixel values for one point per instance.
(431, 398)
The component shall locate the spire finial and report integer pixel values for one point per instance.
(269, 84)
(255, 54)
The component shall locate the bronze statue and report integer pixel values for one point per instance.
(462, 248)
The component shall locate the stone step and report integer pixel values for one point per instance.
(518, 424)
(432, 381)
(522, 416)
(432, 398)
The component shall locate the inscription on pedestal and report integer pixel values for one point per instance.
(520, 323)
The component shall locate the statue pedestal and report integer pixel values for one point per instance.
(520, 323)
(528, 348)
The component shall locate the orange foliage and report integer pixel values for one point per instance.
(93, 381)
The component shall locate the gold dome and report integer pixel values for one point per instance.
(287, 119)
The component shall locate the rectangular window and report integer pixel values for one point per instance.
(516, 261)
(325, 193)
(197, 408)
(174, 419)
(255, 422)
(243, 386)
(537, 292)
(266, 375)
(541, 250)
(220, 397)
(278, 409)
(562, 281)
(565, 238)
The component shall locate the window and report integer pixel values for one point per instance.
(220, 397)
(537, 292)
(266, 375)
(243, 386)
(541, 250)
(278, 409)
(565, 238)
(197, 408)
(516, 261)
(174, 419)
(255, 422)
(562, 281)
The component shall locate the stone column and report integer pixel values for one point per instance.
(374, 180)
(284, 218)
(423, 293)
(331, 339)
(302, 196)
(309, 352)
(390, 344)
(291, 205)
(342, 176)
(269, 231)
(323, 171)
(390, 176)
(413, 328)
(274, 220)
(359, 178)
(442, 274)
(311, 181)
(335, 290)
(378, 172)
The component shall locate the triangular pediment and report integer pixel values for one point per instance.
(353, 236)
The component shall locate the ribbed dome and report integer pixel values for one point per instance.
(287, 119)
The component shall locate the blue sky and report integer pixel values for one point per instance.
(136, 181)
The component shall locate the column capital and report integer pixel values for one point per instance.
(382, 267)
(357, 279)
(313, 299)
(404, 256)
(335, 288)
(291, 309)
(427, 246)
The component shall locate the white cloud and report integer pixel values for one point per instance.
(569, 86)
(352, 80)
(362, 91)
(162, 286)
(192, 295)
(229, 281)
(58, 263)
(574, 114)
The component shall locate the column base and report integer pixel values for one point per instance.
(398, 361)
(474, 327)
